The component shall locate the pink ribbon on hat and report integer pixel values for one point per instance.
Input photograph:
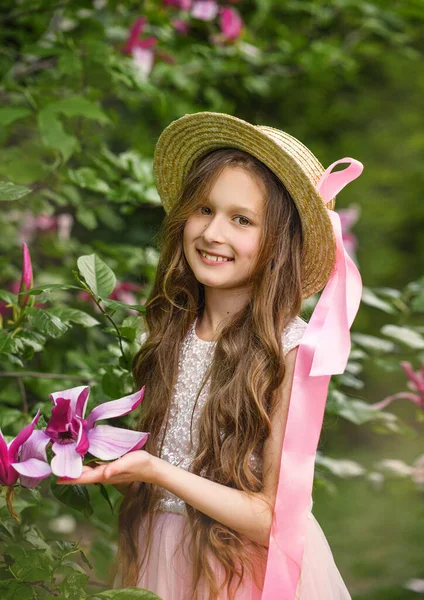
(324, 351)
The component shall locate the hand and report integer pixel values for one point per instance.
(132, 467)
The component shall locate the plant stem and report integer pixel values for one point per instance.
(9, 503)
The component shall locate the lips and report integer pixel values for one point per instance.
(213, 254)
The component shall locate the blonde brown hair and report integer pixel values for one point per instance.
(246, 371)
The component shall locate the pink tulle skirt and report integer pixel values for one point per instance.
(168, 573)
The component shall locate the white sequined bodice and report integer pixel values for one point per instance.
(195, 357)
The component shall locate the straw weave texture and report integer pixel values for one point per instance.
(193, 135)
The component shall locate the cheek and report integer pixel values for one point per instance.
(190, 230)
(249, 246)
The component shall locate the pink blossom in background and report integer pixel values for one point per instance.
(64, 224)
(415, 383)
(181, 4)
(231, 23)
(26, 280)
(205, 10)
(181, 26)
(348, 217)
(30, 225)
(125, 292)
(141, 50)
(73, 435)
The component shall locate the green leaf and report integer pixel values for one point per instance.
(115, 304)
(371, 342)
(46, 322)
(407, 336)
(353, 410)
(368, 297)
(10, 416)
(417, 304)
(7, 343)
(74, 315)
(9, 191)
(105, 494)
(32, 339)
(344, 468)
(53, 135)
(49, 287)
(86, 217)
(30, 563)
(86, 177)
(78, 106)
(8, 297)
(125, 594)
(98, 275)
(10, 114)
(76, 496)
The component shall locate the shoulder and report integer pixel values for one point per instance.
(293, 334)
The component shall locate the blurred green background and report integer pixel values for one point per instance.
(82, 106)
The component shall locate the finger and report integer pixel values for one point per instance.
(87, 476)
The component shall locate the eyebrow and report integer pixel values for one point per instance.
(242, 209)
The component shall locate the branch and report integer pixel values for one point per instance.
(43, 375)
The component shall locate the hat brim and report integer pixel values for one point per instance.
(195, 134)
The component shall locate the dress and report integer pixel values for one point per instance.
(167, 572)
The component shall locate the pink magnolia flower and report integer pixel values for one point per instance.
(348, 217)
(181, 26)
(141, 50)
(231, 23)
(23, 458)
(26, 280)
(73, 435)
(181, 4)
(30, 225)
(205, 10)
(415, 383)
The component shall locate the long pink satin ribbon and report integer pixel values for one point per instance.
(323, 351)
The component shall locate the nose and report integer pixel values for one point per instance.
(214, 231)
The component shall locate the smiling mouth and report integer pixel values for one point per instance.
(212, 258)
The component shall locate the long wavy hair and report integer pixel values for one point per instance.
(245, 374)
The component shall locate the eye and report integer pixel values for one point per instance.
(247, 220)
(202, 207)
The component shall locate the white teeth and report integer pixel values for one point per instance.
(215, 258)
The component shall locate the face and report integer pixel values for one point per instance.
(228, 224)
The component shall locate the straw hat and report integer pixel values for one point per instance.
(193, 135)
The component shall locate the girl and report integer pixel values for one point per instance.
(246, 238)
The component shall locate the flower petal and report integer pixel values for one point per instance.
(115, 408)
(82, 439)
(61, 416)
(35, 446)
(108, 442)
(21, 438)
(32, 471)
(4, 460)
(67, 462)
(73, 394)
